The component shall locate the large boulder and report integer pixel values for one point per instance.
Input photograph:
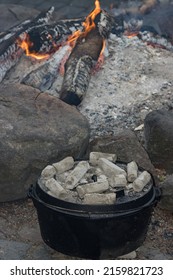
(166, 201)
(158, 132)
(36, 129)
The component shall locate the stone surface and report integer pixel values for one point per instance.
(166, 201)
(12, 250)
(153, 253)
(158, 132)
(14, 14)
(126, 146)
(33, 135)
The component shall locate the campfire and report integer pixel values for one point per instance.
(44, 42)
(69, 47)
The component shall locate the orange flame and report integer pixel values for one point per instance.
(131, 34)
(25, 44)
(88, 24)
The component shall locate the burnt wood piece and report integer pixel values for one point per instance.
(42, 19)
(48, 38)
(10, 52)
(44, 76)
(83, 57)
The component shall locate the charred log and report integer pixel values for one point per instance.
(42, 19)
(10, 52)
(84, 55)
(44, 76)
(48, 38)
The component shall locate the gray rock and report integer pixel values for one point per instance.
(12, 250)
(158, 132)
(14, 14)
(152, 253)
(36, 130)
(126, 146)
(166, 201)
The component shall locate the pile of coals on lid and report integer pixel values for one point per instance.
(100, 180)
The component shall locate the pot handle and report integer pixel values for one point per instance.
(158, 191)
(30, 191)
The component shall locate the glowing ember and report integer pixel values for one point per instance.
(130, 35)
(88, 24)
(25, 44)
(103, 48)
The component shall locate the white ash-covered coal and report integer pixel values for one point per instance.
(100, 180)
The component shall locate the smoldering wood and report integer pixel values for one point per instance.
(104, 23)
(155, 40)
(83, 56)
(44, 76)
(10, 52)
(78, 67)
(48, 38)
(42, 19)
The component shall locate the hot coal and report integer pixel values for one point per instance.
(81, 182)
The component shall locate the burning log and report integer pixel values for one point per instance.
(44, 76)
(10, 51)
(82, 59)
(48, 38)
(41, 19)
(78, 68)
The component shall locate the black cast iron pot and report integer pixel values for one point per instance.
(94, 231)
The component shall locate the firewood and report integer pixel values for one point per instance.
(10, 52)
(45, 39)
(83, 56)
(44, 76)
(48, 38)
(41, 19)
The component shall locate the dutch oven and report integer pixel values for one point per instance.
(93, 231)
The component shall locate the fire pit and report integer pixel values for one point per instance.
(97, 226)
